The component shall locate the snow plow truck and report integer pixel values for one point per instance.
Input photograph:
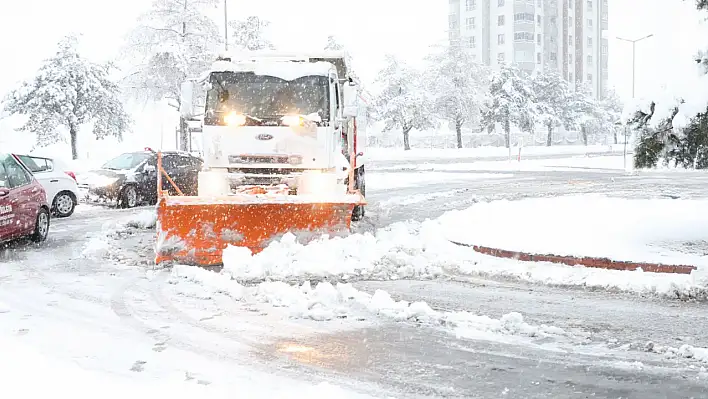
(282, 140)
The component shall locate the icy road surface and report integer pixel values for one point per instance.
(84, 297)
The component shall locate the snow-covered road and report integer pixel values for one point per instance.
(84, 297)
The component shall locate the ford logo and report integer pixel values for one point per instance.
(264, 136)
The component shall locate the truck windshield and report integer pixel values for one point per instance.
(267, 97)
(126, 161)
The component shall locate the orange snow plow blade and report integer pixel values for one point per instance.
(196, 230)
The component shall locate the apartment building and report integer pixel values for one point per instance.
(566, 35)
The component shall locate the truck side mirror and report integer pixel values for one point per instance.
(351, 100)
(186, 99)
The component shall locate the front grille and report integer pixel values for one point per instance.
(266, 171)
(259, 159)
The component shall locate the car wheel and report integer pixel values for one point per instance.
(41, 228)
(129, 197)
(64, 204)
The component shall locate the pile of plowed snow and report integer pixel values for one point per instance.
(326, 301)
(421, 250)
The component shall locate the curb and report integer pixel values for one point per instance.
(599, 263)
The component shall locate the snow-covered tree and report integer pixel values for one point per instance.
(172, 41)
(510, 101)
(609, 120)
(403, 103)
(68, 93)
(333, 44)
(553, 101)
(250, 34)
(458, 84)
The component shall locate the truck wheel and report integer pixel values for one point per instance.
(41, 227)
(359, 183)
(129, 197)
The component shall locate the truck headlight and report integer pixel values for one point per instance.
(235, 119)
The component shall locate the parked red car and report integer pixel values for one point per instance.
(24, 211)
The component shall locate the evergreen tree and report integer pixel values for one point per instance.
(403, 103)
(69, 92)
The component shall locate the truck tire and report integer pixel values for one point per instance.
(360, 184)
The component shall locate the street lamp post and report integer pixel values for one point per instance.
(226, 27)
(634, 43)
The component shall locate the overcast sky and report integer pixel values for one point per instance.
(370, 28)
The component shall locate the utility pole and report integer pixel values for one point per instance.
(226, 26)
(634, 45)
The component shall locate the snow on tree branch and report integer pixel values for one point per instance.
(403, 103)
(250, 34)
(69, 92)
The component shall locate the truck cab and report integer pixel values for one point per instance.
(269, 117)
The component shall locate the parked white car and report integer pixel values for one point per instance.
(58, 182)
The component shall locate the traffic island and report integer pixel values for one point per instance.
(588, 261)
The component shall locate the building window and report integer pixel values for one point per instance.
(500, 57)
(500, 39)
(589, 60)
(469, 22)
(470, 5)
(500, 3)
(471, 42)
(523, 17)
(553, 20)
(523, 36)
(570, 40)
(553, 57)
(538, 58)
(589, 77)
(604, 49)
(589, 5)
(589, 23)
(570, 58)
(589, 41)
(538, 38)
(500, 20)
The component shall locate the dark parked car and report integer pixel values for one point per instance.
(131, 178)
(24, 210)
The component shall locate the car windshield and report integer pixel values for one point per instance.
(126, 161)
(264, 96)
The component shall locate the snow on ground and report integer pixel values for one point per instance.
(586, 225)
(397, 154)
(326, 301)
(610, 163)
(386, 181)
(31, 373)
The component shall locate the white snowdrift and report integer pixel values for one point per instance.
(637, 230)
(611, 163)
(27, 373)
(99, 245)
(326, 302)
(588, 225)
